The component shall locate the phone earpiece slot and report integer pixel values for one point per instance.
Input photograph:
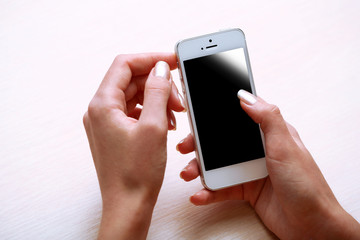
(211, 46)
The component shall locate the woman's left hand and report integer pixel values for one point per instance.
(128, 143)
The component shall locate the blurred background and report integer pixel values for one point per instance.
(305, 58)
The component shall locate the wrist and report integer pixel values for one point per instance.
(345, 226)
(126, 216)
(336, 223)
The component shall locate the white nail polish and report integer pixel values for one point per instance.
(172, 123)
(182, 102)
(181, 142)
(246, 97)
(162, 69)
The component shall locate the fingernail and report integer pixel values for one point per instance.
(162, 70)
(247, 97)
(181, 173)
(177, 146)
(198, 194)
(182, 102)
(173, 122)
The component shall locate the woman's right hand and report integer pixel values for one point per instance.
(294, 201)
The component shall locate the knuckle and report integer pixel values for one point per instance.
(154, 129)
(160, 87)
(120, 58)
(95, 110)
(86, 119)
(274, 109)
(159, 83)
(271, 111)
(293, 130)
(269, 117)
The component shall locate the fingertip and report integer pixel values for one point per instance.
(176, 101)
(182, 102)
(191, 171)
(186, 145)
(191, 199)
(171, 120)
(197, 199)
(203, 197)
(162, 69)
(181, 175)
(249, 103)
(187, 175)
(184, 176)
(179, 147)
(246, 97)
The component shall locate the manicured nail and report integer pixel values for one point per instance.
(181, 173)
(198, 194)
(247, 97)
(177, 146)
(182, 102)
(172, 122)
(162, 70)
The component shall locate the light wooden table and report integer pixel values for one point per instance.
(53, 54)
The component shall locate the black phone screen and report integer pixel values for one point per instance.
(226, 133)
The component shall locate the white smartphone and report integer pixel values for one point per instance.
(229, 144)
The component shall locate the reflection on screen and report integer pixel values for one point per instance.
(227, 134)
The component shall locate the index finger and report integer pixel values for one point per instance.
(121, 71)
(126, 66)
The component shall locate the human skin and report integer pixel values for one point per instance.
(294, 201)
(128, 144)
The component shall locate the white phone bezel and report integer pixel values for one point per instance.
(196, 47)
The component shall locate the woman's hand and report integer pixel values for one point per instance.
(128, 143)
(294, 201)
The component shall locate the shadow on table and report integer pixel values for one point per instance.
(225, 220)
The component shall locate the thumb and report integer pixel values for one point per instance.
(267, 115)
(156, 94)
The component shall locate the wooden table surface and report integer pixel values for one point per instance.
(53, 54)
